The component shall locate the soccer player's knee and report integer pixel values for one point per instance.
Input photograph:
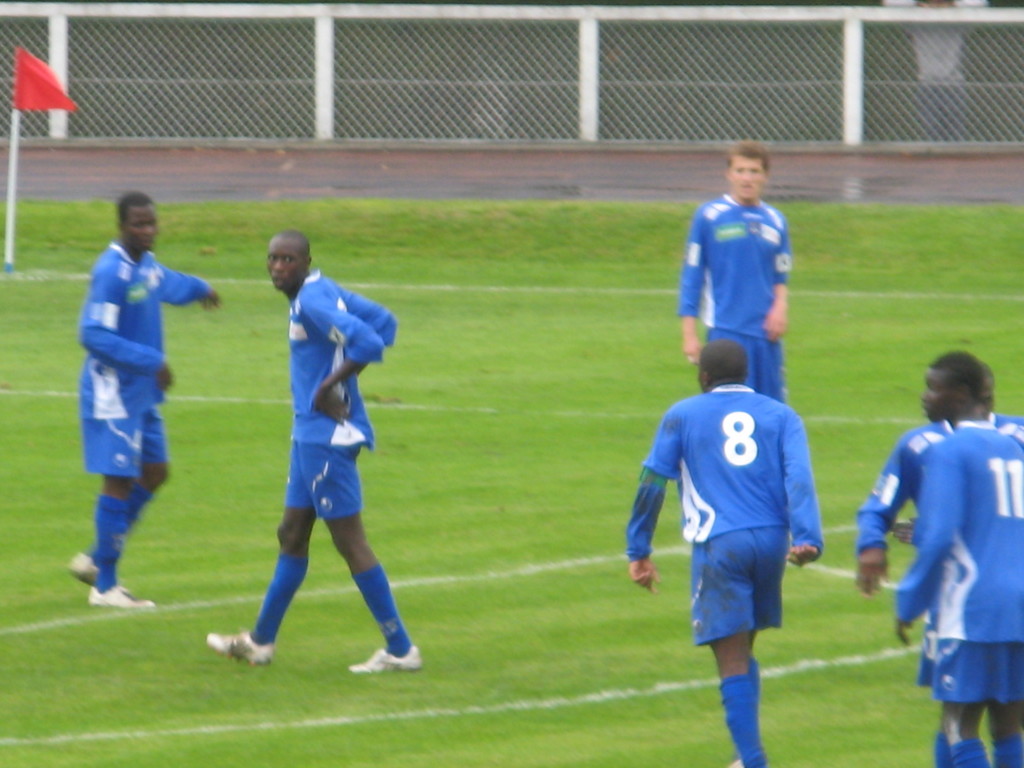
(154, 475)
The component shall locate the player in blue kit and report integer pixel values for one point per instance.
(743, 468)
(122, 382)
(333, 334)
(969, 535)
(900, 482)
(736, 270)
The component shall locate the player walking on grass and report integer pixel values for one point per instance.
(900, 482)
(743, 468)
(969, 534)
(735, 272)
(123, 381)
(333, 334)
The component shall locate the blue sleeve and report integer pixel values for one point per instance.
(691, 281)
(359, 340)
(178, 288)
(877, 514)
(644, 519)
(940, 511)
(784, 258)
(100, 322)
(666, 453)
(804, 515)
(377, 316)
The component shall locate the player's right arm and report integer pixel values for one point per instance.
(804, 512)
(876, 517)
(691, 284)
(99, 328)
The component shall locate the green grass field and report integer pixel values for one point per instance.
(538, 347)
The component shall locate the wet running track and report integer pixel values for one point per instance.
(180, 174)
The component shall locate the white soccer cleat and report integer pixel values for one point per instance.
(83, 568)
(382, 661)
(736, 764)
(241, 647)
(117, 597)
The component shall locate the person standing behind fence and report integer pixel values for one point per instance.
(941, 84)
(736, 271)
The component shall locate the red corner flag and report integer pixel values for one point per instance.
(36, 86)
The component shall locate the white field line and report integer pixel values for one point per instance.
(521, 705)
(51, 276)
(412, 583)
(482, 410)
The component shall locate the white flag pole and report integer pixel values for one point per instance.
(12, 185)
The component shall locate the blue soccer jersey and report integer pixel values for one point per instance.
(735, 256)
(121, 328)
(900, 480)
(327, 325)
(969, 536)
(742, 461)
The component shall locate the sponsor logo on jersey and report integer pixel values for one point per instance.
(733, 231)
(137, 293)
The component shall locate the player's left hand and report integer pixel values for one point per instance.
(644, 574)
(803, 554)
(902, 631)
(210, 300)
(776, 322)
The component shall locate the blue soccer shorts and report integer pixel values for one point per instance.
(929, 649)
(765, 363)
(967, 672)
(324, 478)
(119, 447)
(736, 582)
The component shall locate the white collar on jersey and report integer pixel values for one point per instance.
(731, 388)
(988, 424)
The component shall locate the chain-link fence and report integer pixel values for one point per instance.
(458, 73)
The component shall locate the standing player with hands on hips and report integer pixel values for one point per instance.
(122, 383)
(743, 468)
(333, 334)
(736, 270)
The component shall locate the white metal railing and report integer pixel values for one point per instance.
(830, 75)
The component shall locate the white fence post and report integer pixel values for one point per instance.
(590, 79)
(853, 82)
(324, 77)
(58, 61)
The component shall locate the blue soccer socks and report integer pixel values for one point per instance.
(970, 753)
(1009, 752)
(376, 591)
(740, 700)
(943, 754)
(289, 574)
(137, 499)
(111, 518)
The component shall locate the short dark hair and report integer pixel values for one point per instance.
(131, 200)
(723, 361)
(295, 236)
(751, 150)
(962, 369)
